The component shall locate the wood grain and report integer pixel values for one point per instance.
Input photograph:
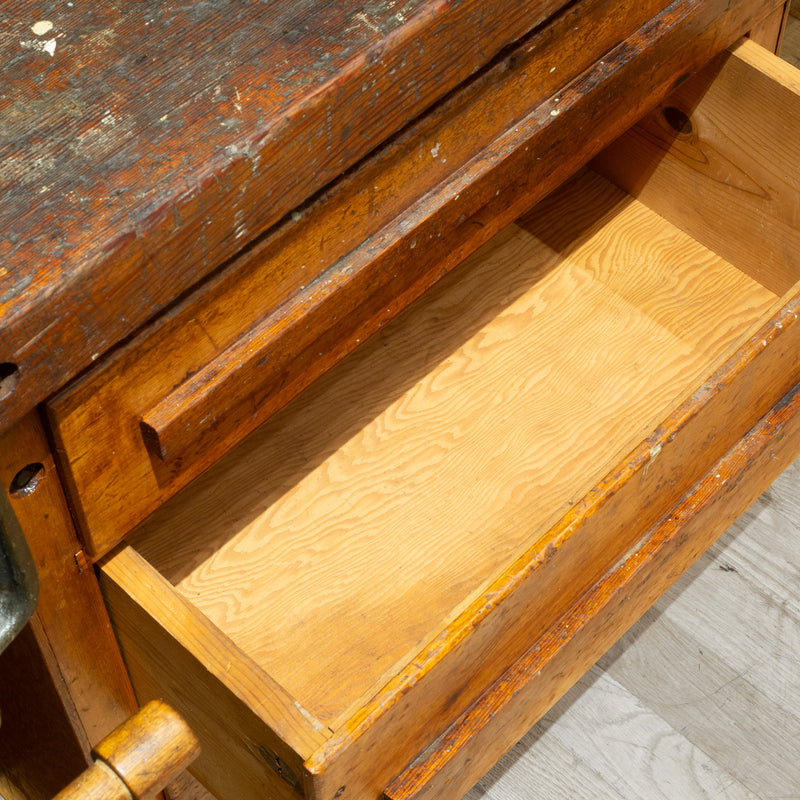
(251, 732)
(190, 131)
(138, 758)
(495, 722)
(149, 749)
(246, 343)
(769, 32)
(115, 481)
(734, 168)
(425, 489)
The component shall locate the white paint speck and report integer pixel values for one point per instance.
(362, 17)
(43, 46)
(435, 149)
(109, 119)
(552, 70)
(555, 112)
(42, 27)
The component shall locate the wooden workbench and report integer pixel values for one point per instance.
(208, 209)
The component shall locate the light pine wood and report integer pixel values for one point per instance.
(252, 734)
(362, 556)
(415, 489)
(731, 178)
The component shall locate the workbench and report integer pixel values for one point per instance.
(368, 368)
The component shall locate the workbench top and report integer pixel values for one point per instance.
(142, 145)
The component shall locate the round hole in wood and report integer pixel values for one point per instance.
(679, 121)
(26, 480)
(9, 378)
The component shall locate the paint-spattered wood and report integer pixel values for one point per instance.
(144, 144)
(116, 481)
(495, 722)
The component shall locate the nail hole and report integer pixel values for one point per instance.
(678, 120)
(9, 378)
(26, 480)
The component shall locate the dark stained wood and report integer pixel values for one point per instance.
(39, 751)
(144, 145)
(71, 615)
(116, 481)
(569, 647)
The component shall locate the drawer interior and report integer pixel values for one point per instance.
(343, 535)
(347, 535)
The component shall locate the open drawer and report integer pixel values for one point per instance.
(351, 579)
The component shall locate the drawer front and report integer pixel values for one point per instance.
(162, 409)
(321, 598)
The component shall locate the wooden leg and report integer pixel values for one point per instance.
(71, 631)
(39, 752)
(769, 32)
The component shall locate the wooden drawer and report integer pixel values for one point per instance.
(151, 417)
(368, 567)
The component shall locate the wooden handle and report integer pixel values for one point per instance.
(138, 759)
(263, 370)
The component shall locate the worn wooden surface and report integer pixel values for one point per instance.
(334, 499)
(70, 609)
(236, 351)
(632, 496)
(110, 468)
(717, 415)
(143, 145)
(494, 723)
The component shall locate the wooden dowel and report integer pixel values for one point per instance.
(138, 759)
